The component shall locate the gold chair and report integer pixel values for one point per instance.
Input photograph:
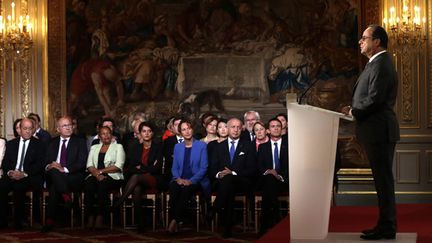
(197, 209)
(151, 195)
(45, 194)
(112, 194)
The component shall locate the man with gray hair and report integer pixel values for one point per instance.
(249, 119)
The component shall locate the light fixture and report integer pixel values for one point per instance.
(15, 32)
(405, 22)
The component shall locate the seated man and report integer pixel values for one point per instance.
(66, 160)
(233, 167)
(23, 170)
(272, 160)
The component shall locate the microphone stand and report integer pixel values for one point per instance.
(299, 100)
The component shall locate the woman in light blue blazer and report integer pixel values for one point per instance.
(105, 165)
(189, 173)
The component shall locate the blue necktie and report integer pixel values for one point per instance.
(276, 157)
(180, 140)
(232, 150)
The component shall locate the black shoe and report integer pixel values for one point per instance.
(369, 231)
(46, 228)
(378, 235)
(227, 234)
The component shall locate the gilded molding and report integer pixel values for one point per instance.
(429, 83)
(57, 61)
(407, 89)
(2, 99)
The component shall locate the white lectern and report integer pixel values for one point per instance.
(312, 136)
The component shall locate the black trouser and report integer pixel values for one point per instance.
(97, 193)
(271, 188)
(179, 197)
(60, 183)
(380, 157)
(228, 186)
(19, 188)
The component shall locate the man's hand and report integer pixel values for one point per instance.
(346, 110)
(16, 175)
(224, 172)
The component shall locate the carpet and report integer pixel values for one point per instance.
(411, 218)
(77, 235)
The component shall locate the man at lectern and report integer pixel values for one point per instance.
(377, 127)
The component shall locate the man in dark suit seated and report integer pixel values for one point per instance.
(40, 133)
(66, 159)
(23, 170)
(249, 119)
(272, 160)
(233, 166)
(168, 151)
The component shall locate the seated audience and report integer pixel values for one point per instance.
(168, 151)
(272, 159)
(106, 122)
(144, 172)
(189, 173)
(39, 133)
(65, 168)
(249, 119)
(282, 117)
(169, 128)
(23, 169)
(105, 164)
(16, 127)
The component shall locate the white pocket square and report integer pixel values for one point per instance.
(241, 153)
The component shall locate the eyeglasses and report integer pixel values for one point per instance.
(363, 38)
(66, 126)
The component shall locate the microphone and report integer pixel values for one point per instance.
(299, 99)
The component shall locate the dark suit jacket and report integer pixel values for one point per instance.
(265, 158)
(134, 159)
(167, 152)
(245, 135)
(373, 100)
(44, 136)
(33, 160)
(76, 159)
(244, 162)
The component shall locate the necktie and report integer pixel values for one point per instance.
(232, 150)
(276, 157)
(63, 153)
(180, 140)
(252, 135)
(21, 163)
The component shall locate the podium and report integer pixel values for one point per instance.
(312, 136)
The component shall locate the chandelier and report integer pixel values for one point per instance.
(406, 23)
(15, 33)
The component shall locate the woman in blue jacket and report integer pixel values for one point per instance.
(189, 173)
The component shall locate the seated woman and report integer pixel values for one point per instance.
(105, 164)
(189, 172)
(144, 170)
(222, 132)
(260, 132)
(211, 131)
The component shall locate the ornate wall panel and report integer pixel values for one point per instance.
(407, 166)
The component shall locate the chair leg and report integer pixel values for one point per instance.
(82, 210)
(167, 211)
(111, 213)
(245, 209)
(153, 199)
(72, 211)
(197, 212)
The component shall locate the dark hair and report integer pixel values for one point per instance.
(206, 116)
(379, 33)
(209, 120)
(282, 114)
(106, 119)
(222, 120)
(145, 124)
(14, 127)
(31, 115)
(183, 121)
(273, 119)
(258, 123)
(105, 127)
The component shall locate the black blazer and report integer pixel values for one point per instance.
(244, 162)
(76, 153)
(245, 135)
(168, 152)
(44, 136)
(134, 159)
(265, 158)
(33, 160)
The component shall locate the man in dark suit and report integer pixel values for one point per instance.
(249, 119)
(168, 151)
(272, 160)
(233, 167)
(40, 133)
(377, 127)
(23, 168)
(65, 168)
